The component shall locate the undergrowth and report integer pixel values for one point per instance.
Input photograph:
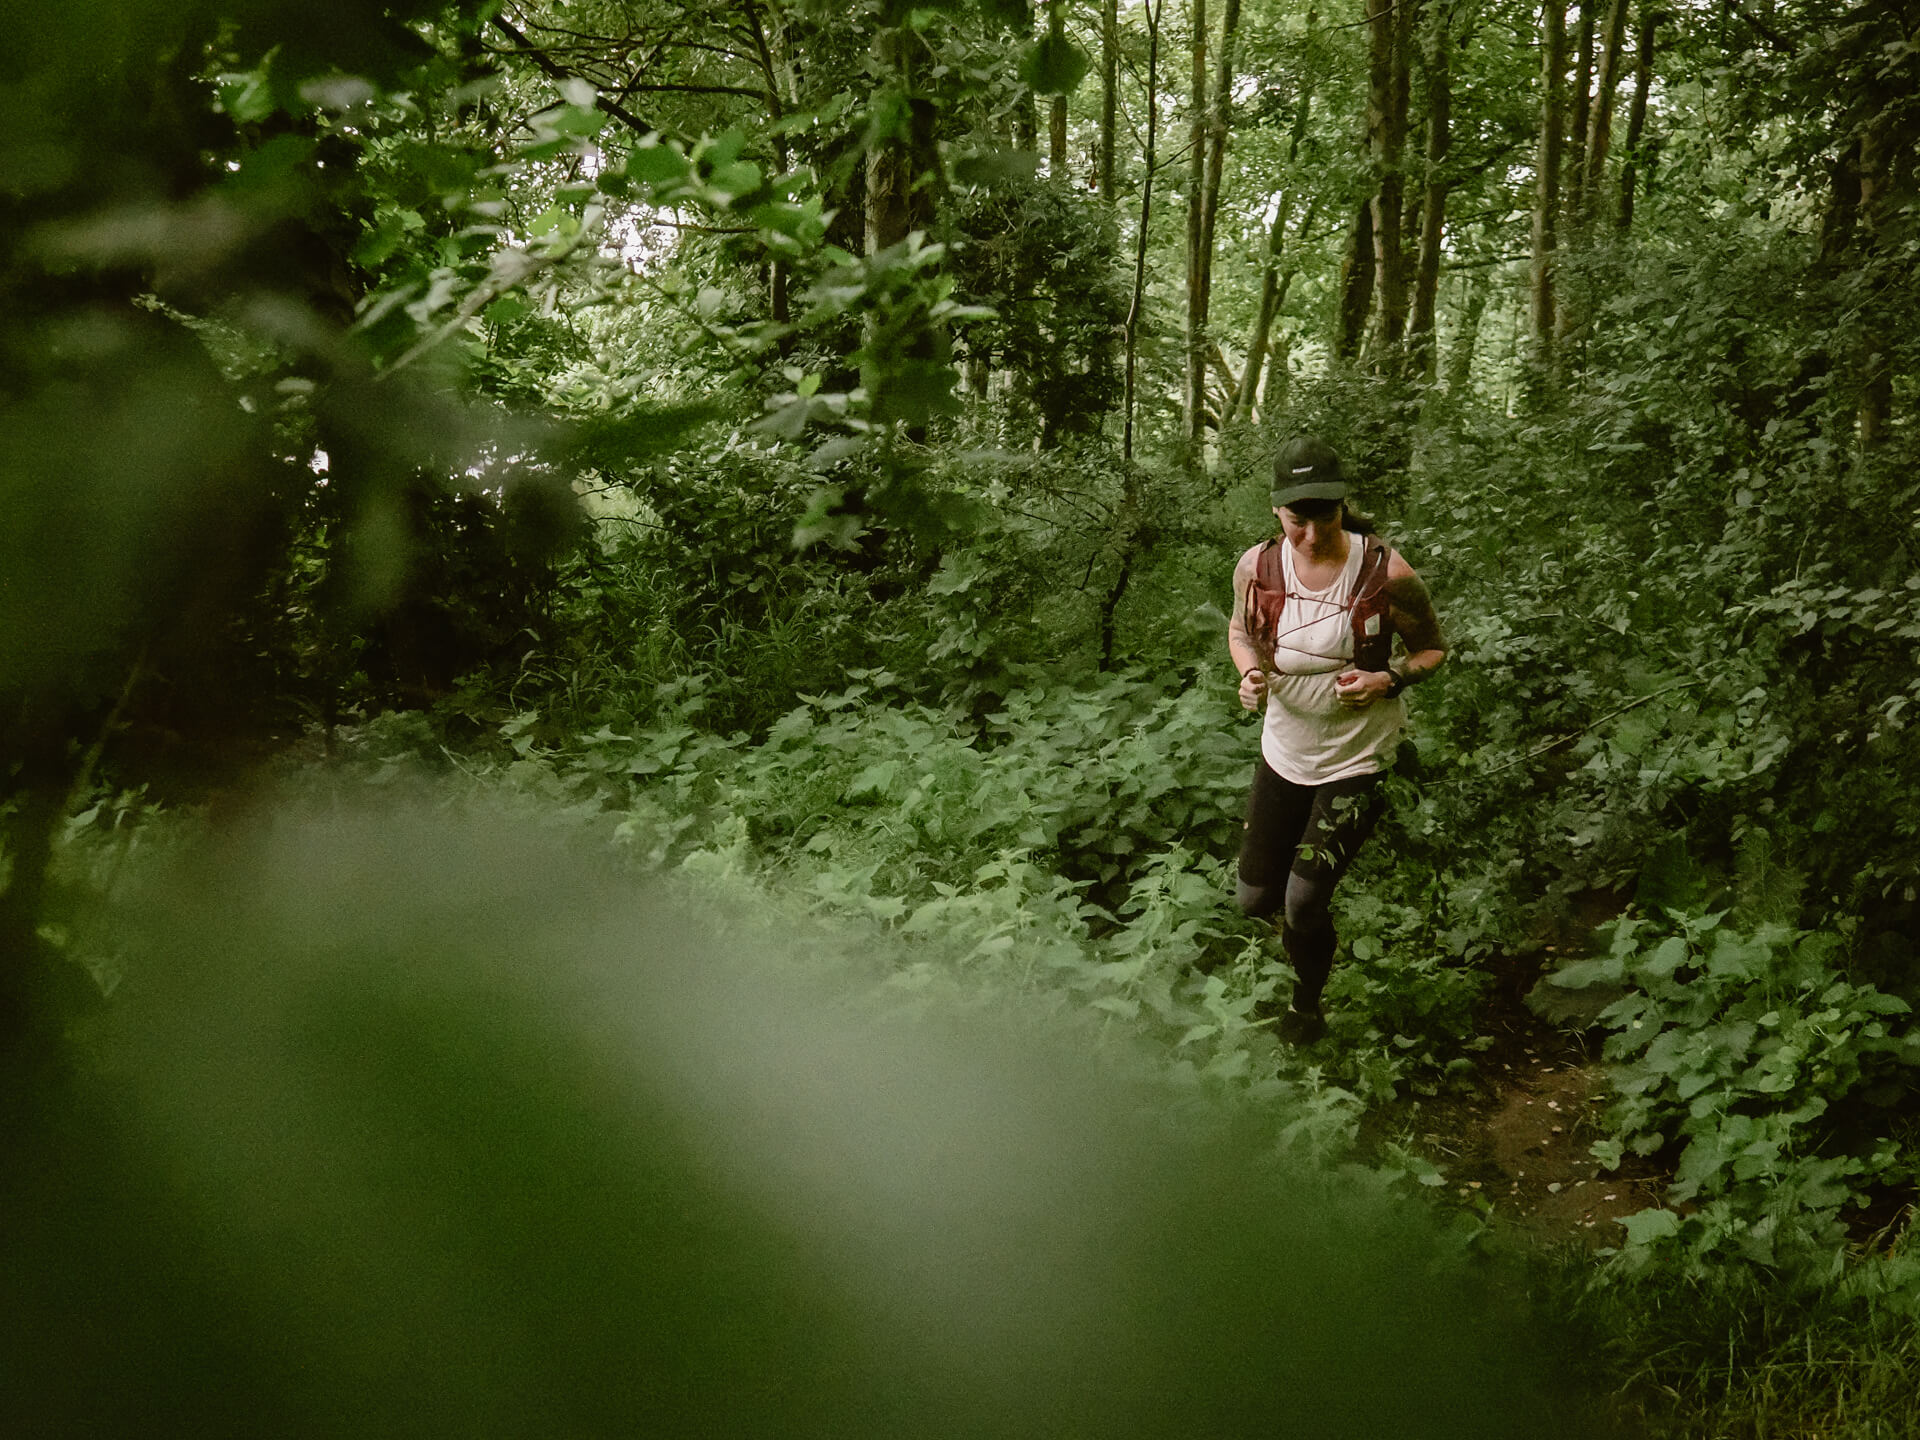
(1070, 852)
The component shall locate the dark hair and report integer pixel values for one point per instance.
(1356, 522)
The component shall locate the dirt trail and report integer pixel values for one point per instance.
(1522, 1143)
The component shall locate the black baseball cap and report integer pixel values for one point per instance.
(1307, 469)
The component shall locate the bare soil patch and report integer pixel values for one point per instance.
(1520, 1140)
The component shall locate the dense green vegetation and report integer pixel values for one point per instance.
(800, 450)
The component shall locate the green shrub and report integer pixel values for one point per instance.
(1775, 1083)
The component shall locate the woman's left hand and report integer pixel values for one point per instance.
(1357, 689)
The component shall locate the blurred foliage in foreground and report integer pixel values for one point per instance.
(417, 1119)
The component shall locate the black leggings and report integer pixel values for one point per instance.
(1299, 841)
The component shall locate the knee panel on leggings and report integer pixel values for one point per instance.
(1262, 902)
(1309, 905)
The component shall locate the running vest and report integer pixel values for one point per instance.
(1370, 608)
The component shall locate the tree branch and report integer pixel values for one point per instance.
(1781, 45)
(1539, 750)
(545, 62)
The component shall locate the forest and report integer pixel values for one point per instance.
(620, 775)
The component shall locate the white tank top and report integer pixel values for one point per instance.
(1310, 738)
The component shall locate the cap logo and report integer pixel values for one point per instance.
(1303, 469)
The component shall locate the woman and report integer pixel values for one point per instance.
(1314, 616)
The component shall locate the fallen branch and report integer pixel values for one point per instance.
(1536, 753)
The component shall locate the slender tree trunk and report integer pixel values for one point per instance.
(1146, 214)
(1580, 96)
(1272, 291)
(1460, 356)
(1109, 93)
(1546, 195)
(1575, 304)
(1278, 375)
(1274, 284)
(1026, 122)
(889, 159)
(1218, 122)
(1637, 114)
(888, 186)
(1242, 401)
(1388, 88)
(1600, 122)
(1196, 394)
(1876, 191)
(1057, 110)
(1356, 285)
(1843, 206)
(778, 78)
(1127, 521)
(1437, 58)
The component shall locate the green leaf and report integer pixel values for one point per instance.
(1607, 970)
(378, 244)
(578, 120)
(248, 96)
(1647, 1226)
(873, 782)
(719, 152)
(741, 177)
(506, 310)
(795, 122)
(654, 163)
(1667, 957)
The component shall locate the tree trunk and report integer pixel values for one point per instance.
(1546, 194)
(1600, 122)
(1026, 122)
(1436, 57)
(1279, 375)
(889, 159)
(888, 185)
(779, 80)
(1272, 290)
(1574, 306)
(1388, 86)
(1219, 118)
(1877, 143)
(1273, 294)
(1263, 313)
(1637, 114)
(1460, 356)
(1146, 215)
(1057, 110)
(1196, 392)
(1573, 166)
(1356, 284)
(1843, 206)
(1109, 93)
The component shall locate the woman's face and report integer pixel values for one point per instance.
(1314, 528)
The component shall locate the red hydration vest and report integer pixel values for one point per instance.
(1370, 608)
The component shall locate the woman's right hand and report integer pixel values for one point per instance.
(1253, 690)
